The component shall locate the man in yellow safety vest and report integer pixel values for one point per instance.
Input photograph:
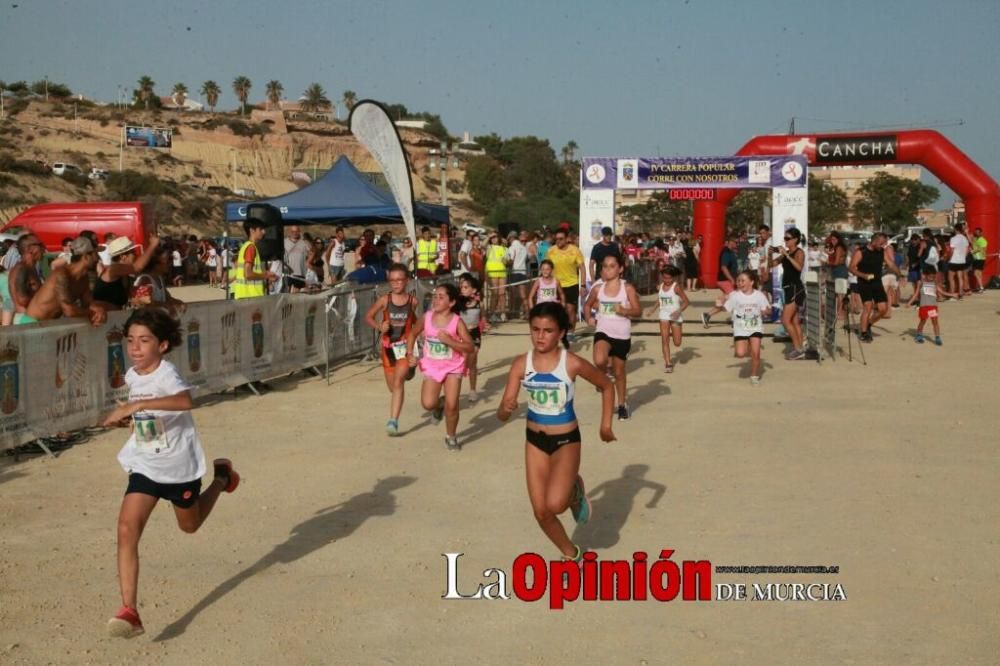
(427, 251)
(248, 279)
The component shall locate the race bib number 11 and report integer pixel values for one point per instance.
(150, 433)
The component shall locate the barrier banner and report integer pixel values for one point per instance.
(662, 173)
(77, 372)
(597, 210)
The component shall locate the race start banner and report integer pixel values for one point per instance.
(662, 173)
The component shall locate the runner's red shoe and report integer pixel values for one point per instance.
(125, 623)
(224, 470)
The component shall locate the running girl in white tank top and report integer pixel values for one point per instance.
(546, 288)
(471, 312)
(671, 301)
(552, 446)
(615, 301)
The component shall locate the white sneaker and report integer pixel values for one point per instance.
(473, 397)
(755, 381)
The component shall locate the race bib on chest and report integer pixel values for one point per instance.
(751, 318)
(666, 301)
(150, 433)
(548, 398)
(547, 293)
(438, 350)
(607, 307)
(398, 350)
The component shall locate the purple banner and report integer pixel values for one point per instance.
(663, 173)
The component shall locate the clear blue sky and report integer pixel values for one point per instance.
(677, 77)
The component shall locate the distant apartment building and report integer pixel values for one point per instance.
(849, 179)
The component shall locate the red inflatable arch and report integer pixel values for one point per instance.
(928, 148)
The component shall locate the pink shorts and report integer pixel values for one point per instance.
(438, 371)
(725, 286)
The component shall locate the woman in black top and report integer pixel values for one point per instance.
(792, 259)
(114, 281)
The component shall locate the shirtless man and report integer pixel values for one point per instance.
(67, 291)
(24, 280)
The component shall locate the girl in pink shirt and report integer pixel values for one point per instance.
(446, 342)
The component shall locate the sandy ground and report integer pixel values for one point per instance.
(331, 549)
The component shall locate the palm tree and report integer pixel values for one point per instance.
(145, 90)
(273, 91)
(241, 86)
(211, 91)
(569, 151)
(314, 98)
(350, 97)
(179, 94)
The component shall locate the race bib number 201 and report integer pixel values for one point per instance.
(546, 398)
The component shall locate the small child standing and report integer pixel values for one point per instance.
(930, 292)
(163, 456)
(749, 307)
(671, 303)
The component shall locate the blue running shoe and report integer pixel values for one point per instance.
(937, 340)
(919, 338)
(392, 427)
(581, 512)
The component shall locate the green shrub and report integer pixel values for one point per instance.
(130, 185)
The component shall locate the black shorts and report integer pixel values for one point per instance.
(958, 268)
(572, 295)
(295, 281)
(757, 334)
(182, 495)
(872, 290)
(619, 348)
(549, 444)
(794, 293)
(477, 337)
(853, 288)
(978, 264)
(517, 277)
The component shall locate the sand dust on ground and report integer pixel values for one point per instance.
(331, 549)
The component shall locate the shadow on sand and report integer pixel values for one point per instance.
(325, 527)
(612, 503)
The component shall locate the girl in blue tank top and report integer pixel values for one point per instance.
(552, 441)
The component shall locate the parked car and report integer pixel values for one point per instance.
(475, 228)
(59, 168)
(97, 174)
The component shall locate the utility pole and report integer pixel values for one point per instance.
(46, 87)
(791, 126)
(444, 174)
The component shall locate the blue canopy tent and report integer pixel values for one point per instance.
(341, 196)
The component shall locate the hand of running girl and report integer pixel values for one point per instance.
(506, 408)
(119, 416)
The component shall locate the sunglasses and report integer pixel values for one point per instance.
(788, 238)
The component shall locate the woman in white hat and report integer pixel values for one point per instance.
(113, 283)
